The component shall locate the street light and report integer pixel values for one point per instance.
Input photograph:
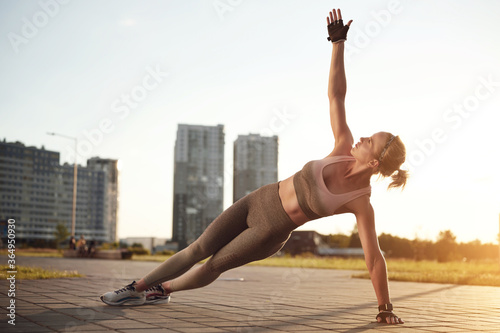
(75, 172)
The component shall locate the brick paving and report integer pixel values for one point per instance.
(267, 300)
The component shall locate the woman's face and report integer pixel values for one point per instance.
(369, 148)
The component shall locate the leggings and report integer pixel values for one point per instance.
(253, 228)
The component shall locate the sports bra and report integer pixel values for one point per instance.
(313, 195)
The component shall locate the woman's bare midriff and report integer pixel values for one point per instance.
(290, 203)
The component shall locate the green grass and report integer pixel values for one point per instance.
(149, 257)
(46, 253)
(484, 273)
(313, 262)
(305, 262)
(457, 272)
(481, 273)
(35, 273)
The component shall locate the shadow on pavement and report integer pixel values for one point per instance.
(72, 319)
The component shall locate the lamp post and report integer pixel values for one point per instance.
(75, 172)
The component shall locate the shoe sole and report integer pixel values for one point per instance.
(130, 301)
(158, 300)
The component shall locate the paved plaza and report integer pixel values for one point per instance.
(246, 299)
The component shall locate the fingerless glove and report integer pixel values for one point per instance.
(337, 31)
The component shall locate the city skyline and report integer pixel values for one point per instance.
(37, 191)
(120, 76)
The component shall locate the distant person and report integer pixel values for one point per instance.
(72, 243)
(259, 224)
(91, 249)
(81, 245)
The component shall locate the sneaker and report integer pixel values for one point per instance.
(157, 295)
(124, 296)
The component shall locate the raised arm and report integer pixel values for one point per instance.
(337, 85)
(375, 261)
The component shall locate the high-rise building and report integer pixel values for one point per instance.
(37, 192)
(109, 169)
(255, 163)
(198, 180)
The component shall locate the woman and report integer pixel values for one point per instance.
(258, 225)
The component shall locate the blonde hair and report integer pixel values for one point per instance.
(391, 158)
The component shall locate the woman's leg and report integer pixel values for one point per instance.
(250, 245)
(269, 229)
(220, 232)
(252, 229)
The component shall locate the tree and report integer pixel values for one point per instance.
(61, 233)
(354, 240)
(446, 246)
(396, 247)
(423, 250)
(338, 240)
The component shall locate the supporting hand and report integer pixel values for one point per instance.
(337, 31)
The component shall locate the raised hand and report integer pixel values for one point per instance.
(337, 31)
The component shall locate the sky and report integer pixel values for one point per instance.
(120, 75)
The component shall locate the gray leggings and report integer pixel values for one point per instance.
(253, 228)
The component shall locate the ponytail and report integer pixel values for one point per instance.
(399, 178)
